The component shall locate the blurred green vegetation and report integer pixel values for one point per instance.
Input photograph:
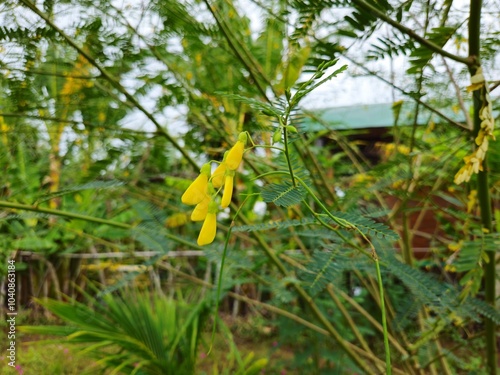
(109, 110)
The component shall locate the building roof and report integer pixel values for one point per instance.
(372, 116)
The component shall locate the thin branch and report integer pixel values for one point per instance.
(92, 219)
(74, 122)
(459, 95)
(46, 73)
(112, 80)
(469, 61)
(406, 93)
(232, 45)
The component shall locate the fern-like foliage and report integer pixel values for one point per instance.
(441, 297)
(423, 286)
(421, 56)
(255, 104)
(470, 261)
(364, 224)
(10, 34)
(328, 266)
(392, 47)
(283, 194)
(471, 253)
(151, 232)
(484, 309)
(275, 225)
(367, 225)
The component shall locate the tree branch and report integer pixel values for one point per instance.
(469, 61)
(112, 80)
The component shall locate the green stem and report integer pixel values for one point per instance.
(388, 370)
(346, 346)
(287, 152)
(377, 266)
(483, 189)
(247, 61)
(219, 281)
(92, 219)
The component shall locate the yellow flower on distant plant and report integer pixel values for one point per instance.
(176, 220)
(209, 228)
(235, 154)
(197, 191)
(474, 161)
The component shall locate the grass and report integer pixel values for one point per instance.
(252, 337)
(45, 359)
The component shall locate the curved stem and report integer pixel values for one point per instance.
(219, 281)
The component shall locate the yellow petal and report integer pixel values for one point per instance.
(235, 155)
(218, 175)
(200, 211)
(196, 191)
(228, 192)
(208, 230)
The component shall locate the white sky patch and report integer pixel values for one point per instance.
(260, 208)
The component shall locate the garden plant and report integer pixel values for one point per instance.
(176, 202)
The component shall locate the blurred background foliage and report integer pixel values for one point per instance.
(107, 112)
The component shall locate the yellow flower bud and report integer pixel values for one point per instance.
(228, 191)
(197, 191)
(200, 211)
(235, 154)
(209, 228)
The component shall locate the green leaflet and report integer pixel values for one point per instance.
(252, 103)
(284, 194)
(275, 225)
(328, 265)
(364, 224)
(421, 56)
(368, 226)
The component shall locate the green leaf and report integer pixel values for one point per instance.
(275, 225)
(252, 103)
(34, 244)
(284, 194)
(368, 226)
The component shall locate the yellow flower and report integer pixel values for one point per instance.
(235, 154)
(176, 220)
(228, 190)
(197, 191)
(200, 211)
(209, 228)
(219, 173)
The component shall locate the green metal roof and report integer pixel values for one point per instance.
(372, 116)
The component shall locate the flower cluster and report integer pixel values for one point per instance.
(201, 193)
(474, 162)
